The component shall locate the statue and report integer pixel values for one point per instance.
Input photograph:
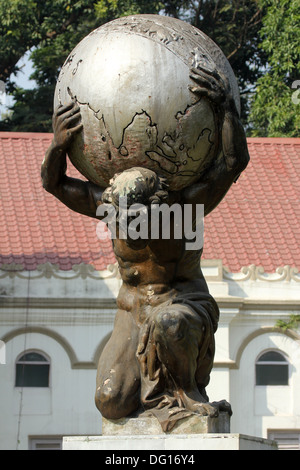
(188, 153)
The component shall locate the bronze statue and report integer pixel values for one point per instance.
(160, 354)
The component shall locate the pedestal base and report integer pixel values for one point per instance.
(189, 434)
(168, 442)
(149, 425)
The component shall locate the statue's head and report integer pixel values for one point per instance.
(135, 187)
(138, 186)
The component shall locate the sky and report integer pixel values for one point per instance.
(21, 79)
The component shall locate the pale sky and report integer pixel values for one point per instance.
(21, 79)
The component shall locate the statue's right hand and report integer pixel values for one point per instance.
(66, 124)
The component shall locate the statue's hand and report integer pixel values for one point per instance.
(215, 87)
(209, 83)
(66, 124)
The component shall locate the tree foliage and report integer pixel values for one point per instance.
(51, 29)
(292, 324)
(108, 10)
(233, 25)
(41, 23)
(274, 111)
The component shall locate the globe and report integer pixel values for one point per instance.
(131, 79)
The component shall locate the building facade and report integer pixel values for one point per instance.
(54, 325)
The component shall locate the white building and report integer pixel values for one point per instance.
(57, 311)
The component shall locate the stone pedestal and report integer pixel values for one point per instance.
(150, 426)
(145, 434)
(168, 442)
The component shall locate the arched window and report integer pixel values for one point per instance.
(272, 368)
(32, 370)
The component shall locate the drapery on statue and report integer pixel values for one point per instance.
(160, 354)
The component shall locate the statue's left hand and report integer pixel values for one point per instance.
(210, 84)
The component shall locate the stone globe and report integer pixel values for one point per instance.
(131, 79)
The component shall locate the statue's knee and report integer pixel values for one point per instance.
(171, 324)
(102, 397)
(106, 401)
(115, 403)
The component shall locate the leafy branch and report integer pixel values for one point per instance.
(292, 324)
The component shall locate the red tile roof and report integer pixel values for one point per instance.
(256, 223)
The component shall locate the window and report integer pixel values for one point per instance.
(272, 368)
(32, 370)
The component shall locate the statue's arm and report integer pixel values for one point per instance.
(234, 156)
(80, 196)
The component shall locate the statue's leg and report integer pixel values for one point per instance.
(182, 338)
(118, 376)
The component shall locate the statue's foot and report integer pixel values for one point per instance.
(212, 409)
(196, 403)
(205, 409)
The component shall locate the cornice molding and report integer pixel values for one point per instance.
(47, 270)
(58, 303)
(257, 273)
(100, 304)
(257, 304)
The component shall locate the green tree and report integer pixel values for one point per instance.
(234, 25)
(51, 29)
(292, 324)
(108, 10)
(38, 23)
(274, 111)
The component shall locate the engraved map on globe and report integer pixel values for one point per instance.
(131, 78)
